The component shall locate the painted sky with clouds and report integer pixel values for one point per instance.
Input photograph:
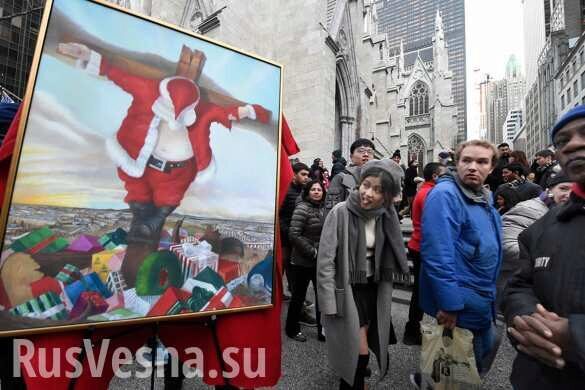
(64, 161)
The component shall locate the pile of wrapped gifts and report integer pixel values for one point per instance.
(175, 279)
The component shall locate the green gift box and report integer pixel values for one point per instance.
(69, 274)
(113, 239)
(46, 306)
(31, 240)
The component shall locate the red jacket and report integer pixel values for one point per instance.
(137, 136)
(416, 214)
(254, 329)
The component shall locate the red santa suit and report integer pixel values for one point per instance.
(175, 100)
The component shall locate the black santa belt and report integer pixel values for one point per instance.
(165, 165)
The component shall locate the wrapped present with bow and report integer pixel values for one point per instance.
(46, 306)
(173, 301)
(208, 291)
(105, 262)
(113, 239)
(41, 240)
(91, 282)
(89, 303)
(85, 243)
(68, 274)
(116, 283)
(135, 303)
(195, 257)
(115, 302)
(44, 285)
(229, 269)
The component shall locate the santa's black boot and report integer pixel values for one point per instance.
(141, 212)
(153, 225)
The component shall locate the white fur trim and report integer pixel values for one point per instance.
(188, 116)
(205, 175)
(251, 112)
(164, 107)
(93, 65)
(134, 168)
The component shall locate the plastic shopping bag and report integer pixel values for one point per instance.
(447, 360)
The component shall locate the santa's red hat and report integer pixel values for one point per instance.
(177, 101)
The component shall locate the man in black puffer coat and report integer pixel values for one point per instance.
(544, 302)
(300, 178)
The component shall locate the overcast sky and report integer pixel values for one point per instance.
(493, 32)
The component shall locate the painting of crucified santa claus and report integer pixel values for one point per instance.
(164, 141)
(146, 153)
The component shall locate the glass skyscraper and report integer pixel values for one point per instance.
(413, 21)
(19, 28)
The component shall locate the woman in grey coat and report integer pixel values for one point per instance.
(361, 246)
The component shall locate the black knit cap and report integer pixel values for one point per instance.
(558, 178)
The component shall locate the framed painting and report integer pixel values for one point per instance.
(144, 180)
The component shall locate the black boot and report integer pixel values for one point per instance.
(152, 226)
(412, 334)
(360, 374)
(140, 213)
(320, 334)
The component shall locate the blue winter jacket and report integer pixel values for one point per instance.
(461, 253)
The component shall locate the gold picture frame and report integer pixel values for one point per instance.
(144, 180)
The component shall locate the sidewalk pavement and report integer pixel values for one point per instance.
(304, 365)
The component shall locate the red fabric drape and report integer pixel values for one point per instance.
(6, 151)
(253, 330)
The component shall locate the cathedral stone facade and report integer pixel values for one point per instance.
(341, 80)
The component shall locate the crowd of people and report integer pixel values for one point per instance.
(493, 233)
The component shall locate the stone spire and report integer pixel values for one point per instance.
(439, 29)
(440, 53)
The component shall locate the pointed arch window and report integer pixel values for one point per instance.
(418, 99)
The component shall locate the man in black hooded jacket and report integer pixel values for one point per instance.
(544, 302)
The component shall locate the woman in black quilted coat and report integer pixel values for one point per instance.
(304, 234)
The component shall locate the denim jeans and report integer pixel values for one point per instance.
(484, 341)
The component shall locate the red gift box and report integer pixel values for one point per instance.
(89, 303)
(171, 302)
(228, 269)
(45, 285)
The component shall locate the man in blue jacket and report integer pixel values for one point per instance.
(461, 249)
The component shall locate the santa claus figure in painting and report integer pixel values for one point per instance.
(163, 142)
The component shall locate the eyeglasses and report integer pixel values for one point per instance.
(365, 151)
